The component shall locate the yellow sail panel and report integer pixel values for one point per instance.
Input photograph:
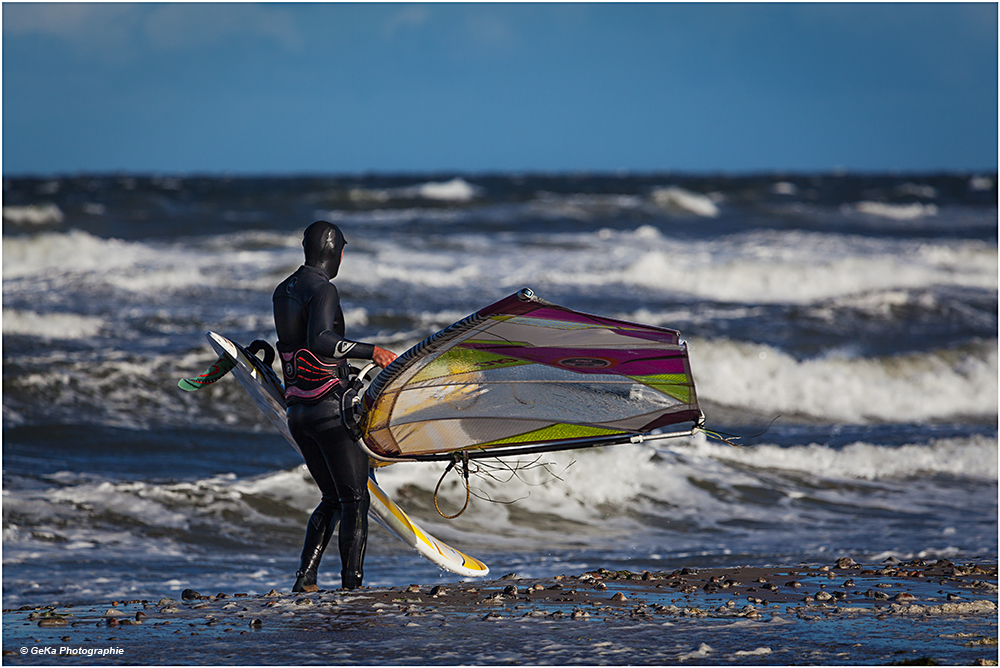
(461, 360)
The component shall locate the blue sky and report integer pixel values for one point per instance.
(346, 88)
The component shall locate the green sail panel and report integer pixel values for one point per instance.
(461, 360)
(556, 432)
(678, 385)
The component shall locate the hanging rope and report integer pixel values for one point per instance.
(731, 439)
(464, 458)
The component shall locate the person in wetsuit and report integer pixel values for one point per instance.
(314, 353)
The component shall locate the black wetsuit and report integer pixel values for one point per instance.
(310, 326)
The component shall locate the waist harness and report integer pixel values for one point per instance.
(308, 377)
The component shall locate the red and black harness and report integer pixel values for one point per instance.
(309, 377)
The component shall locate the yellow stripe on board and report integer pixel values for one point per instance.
(420, 535)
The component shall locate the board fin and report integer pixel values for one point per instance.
(222, 366)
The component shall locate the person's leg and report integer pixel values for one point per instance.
(348, 465)
(302, 421)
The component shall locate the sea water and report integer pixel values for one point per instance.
(844, 326)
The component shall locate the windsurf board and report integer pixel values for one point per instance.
(267, 392)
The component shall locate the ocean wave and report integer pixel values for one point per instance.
(455, 190)
(680, 200)
(584, 207)
(87, 511)
(772, 267)
(974, 457)
(33, 215)
(133, 390)
(51, 325)
(599, 494)
(911, 211)
(838, 386)
(390, 217)
(73, 251)
(980, 184)
(946, 383)
(76, 260)
(156, 297)
(872, 329)
(698, 491)
(780, 269)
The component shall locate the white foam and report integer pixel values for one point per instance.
(980, 183)
(124, 500)
(74, 251)
(33, 214)
(911, 211)
(762, 267)
(674, 198)
(921, 190)
(293, 487)
(234, 261)
(611, 495)
(784, 188)
(580, 206)
(87, 512)
(51, 325)
(702, 651)
(419, 268)
(390, 217)
(455, 190)
(916, 387)
(584, 499)
(974, 457)
(574, 489)
(800, 267)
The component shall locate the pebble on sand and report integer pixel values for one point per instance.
(52, 621)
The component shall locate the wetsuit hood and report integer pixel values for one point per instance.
(323, 244)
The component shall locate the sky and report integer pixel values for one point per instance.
(317, 88)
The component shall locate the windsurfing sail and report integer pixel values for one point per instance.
(524, 375)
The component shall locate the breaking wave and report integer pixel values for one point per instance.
(593, 490)
(949, 383)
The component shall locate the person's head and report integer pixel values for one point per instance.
(323, 244)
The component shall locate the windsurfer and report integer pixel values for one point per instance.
(310, 325)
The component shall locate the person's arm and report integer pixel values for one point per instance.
(324, 340)
(383, 357)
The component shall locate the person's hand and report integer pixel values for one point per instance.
(383, 357)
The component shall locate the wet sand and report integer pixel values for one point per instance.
(911, 613)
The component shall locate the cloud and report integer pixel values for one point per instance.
(470, 28)
(84, 26)
(488, 29)
(197, 25)
(117, 28)
(410, 17)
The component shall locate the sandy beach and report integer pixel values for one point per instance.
(893, 613)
